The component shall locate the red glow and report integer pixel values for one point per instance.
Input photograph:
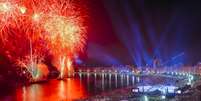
(32, 29)
(55, 90)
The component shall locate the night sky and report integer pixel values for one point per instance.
(136, 31)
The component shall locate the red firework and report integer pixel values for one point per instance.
(29, 30)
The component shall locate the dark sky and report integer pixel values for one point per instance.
(136, 31)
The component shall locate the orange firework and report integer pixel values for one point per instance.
(65, 38)
(30, 30)
(66, 33)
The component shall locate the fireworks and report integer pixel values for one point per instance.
(4, 7)
(31, 30)
(22, 9)
(34, 65)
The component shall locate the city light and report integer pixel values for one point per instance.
(162, 88)
(135, 90)
(178, 91)
(163, 97)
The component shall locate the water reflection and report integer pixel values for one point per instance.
(133, 80)
(68, 90)
(127, 80)
(99, 82)
(110, 76)
(84, 85)
(116, 80)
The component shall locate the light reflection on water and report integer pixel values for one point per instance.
(80, 87)
(55, 90)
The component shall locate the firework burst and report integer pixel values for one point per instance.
(29, 30)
